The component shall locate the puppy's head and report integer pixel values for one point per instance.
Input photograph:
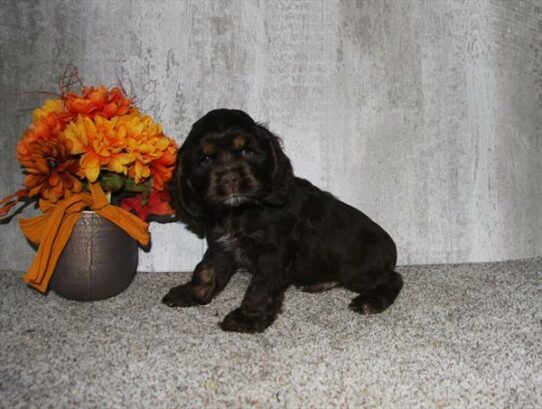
(228, 160)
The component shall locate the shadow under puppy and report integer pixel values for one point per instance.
(234, 182)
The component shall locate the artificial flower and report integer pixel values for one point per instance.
(98, 101)
(54, 106)
(50, 170)
(46, 127)
(162, 168)
(95, 135)
(99, 144)
(145, 141)
(157, 204)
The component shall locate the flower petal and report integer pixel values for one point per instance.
(91, 166)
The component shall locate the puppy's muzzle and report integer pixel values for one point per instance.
(231, 182)
(232, 187)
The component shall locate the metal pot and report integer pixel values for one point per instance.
(98, 262)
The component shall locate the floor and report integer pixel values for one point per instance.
(458, 336)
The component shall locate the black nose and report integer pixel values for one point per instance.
(231, 180)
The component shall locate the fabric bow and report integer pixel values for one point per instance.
(52, 230)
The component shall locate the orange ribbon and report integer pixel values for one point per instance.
(53, 229)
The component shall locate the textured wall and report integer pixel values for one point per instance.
(424, 114)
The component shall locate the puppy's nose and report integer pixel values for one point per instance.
(231, 180)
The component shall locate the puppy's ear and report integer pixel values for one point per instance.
(183, 198)
(282, 178)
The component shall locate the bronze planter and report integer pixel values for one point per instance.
(98, 262)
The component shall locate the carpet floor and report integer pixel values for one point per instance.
(458, 336)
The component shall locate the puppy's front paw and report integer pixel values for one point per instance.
(180, 296)
(238, 321)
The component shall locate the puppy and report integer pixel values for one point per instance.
(234, 182)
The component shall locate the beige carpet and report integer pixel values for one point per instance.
(462, 336)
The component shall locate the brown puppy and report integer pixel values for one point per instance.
(235, 184)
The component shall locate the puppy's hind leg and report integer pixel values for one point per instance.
(380, 297)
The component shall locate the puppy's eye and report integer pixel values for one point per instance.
(206, 159)
(247, 152)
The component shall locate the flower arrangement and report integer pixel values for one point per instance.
(95, 135)
(90, 148)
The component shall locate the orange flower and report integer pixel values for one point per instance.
(100, 144)
(47, 126)
(45, 156)
(50, 169)
(162, 168)
(98, 101)
(145, 142)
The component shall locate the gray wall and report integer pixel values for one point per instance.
(424, 114)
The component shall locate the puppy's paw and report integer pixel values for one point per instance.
(238, 321)
(367, 304)
(180, 296)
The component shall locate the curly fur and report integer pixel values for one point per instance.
(234, 185)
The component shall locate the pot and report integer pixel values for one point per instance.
(98, 262)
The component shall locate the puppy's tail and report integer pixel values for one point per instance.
(379, 298)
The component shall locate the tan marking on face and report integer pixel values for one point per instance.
(250, 178)
(238, 142)
(213, 185)
(209, 149)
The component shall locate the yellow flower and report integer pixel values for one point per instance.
(100, 145)
(145, 142)
(131, 144)
(50, 105)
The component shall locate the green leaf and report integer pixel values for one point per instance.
(145, 187)
(112, 182)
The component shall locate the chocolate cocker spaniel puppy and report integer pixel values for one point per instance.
(234, 181)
